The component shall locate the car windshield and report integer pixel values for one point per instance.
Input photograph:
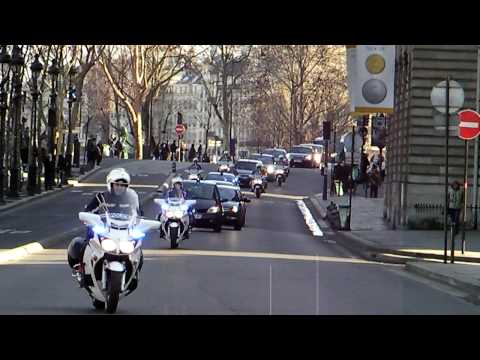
(266, 160)
(199, 191)
(275, 153)
(227, 194)
(301, 150)
(218, 177)
(244, 165)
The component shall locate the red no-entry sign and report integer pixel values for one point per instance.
(180, 129)
(469, 124)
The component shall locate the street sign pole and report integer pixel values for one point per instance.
(465, 184)
(445, 206)
(351, 185)
(475, 154)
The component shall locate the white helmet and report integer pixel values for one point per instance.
(116, 176)
(177, 180)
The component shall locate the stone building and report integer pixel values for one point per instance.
(416, 142)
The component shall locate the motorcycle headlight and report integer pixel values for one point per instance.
(308, 157)
(169, 213)
(127, 247)
(279, 171)
(270, 169)
(178, 213)
(257, 181)
(213, 210)
(235, 209)
(109, 245)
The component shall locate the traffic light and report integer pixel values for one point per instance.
(327, 129)
(375, 73)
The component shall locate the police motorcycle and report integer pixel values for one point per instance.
(257, 185)
(194, 174)
(279, 175)
(113, 258)
(174, 217)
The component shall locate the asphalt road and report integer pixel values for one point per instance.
(274, 265)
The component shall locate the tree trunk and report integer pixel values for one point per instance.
(137, 120)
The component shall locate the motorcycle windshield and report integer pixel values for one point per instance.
(122, 218)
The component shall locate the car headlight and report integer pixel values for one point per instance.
(109, 245)
(317, 157)
(213, 210)
(127, 247)
(308, 157)
(270, 169)
(235, 209)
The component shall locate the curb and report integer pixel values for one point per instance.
(370, 251)
(472, 290)
(39, 246)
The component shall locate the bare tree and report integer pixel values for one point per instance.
(136, 73)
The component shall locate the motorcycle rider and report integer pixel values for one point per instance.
(195, 165)
(117, 197)
(177, 189)
(178, 192)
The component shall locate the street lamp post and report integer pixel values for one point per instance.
(15, 170)
(5, 68)
(71, 99)
(33, 154)
(53, 71)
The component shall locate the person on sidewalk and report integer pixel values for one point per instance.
(173, 151)
(374, 179)
(455, 204)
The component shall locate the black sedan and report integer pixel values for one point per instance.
(208, 210)
(234, 208)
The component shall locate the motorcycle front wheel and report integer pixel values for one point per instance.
(113, 291)
(257, 192)
(173, 238)
(279, 181)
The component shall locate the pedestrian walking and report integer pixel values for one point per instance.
(118, 149)
(192, 153)
(91, 153)
(199, 152)
(99, 153)
(374, 180)
(455, 204)
(173, 151)
(156, 152)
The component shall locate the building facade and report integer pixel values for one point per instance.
(415, 163)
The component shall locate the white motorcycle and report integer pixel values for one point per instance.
(194, 174)
(174, 218)
(257, 185)
(112, 258)
(279, 176)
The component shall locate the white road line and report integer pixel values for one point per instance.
(76, 191)
(309, 220)
(21, 232)
(150, 254)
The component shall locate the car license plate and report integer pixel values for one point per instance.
(231, 217)
(298, 161)
(198, 216)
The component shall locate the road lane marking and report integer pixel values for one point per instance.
(101, 185)
(309, 220)
(150, 253)
(279, 196)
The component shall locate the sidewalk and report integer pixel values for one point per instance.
(25, 198)
(422, 251)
